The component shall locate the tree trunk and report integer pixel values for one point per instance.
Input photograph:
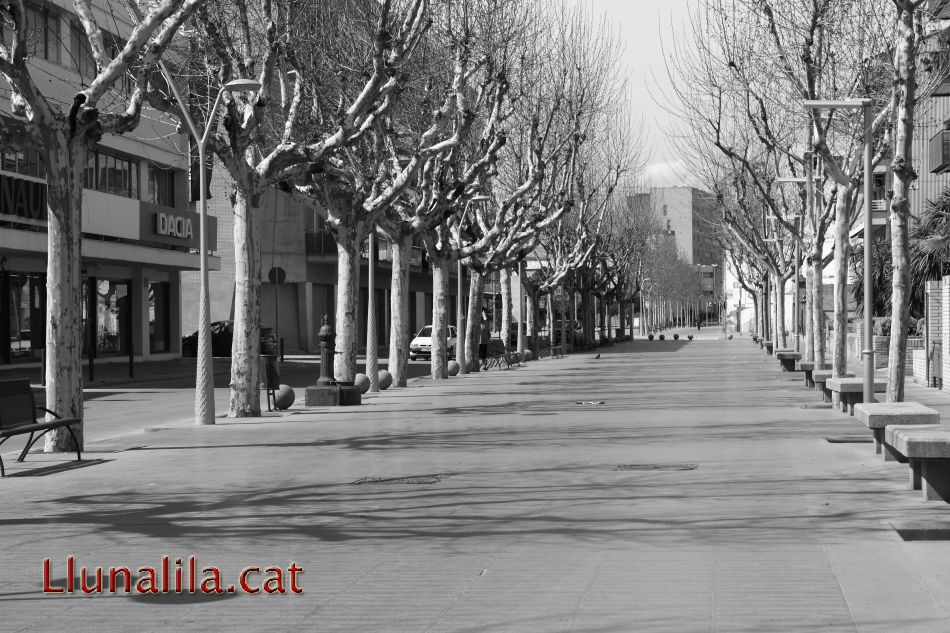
(347, 304)
(440, 318)
(399, 311)
(476, 289)
(756, 325)
(245, 344)
(809, 349)
(781, 342)
(64, 334)
(900, 205)
(842, 255)
(505, 275)
(550, 318)
(564, 317)
(818, 309)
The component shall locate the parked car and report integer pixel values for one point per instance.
(421, 345)
(222, 333)
(20, 345)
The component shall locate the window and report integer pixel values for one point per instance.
(28, 163)
(82, 59)
(161, 185)
(42, 32)
(113, 174)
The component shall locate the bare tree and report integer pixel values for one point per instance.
(64, 134)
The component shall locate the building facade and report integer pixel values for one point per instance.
(138, 230)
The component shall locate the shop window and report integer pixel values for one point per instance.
(159, 321)
(23, 316)
(112, 316)
(161, 185)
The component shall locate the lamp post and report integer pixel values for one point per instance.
(459, 303)
(204, 376)
(868, 352)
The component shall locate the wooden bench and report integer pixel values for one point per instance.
(787, 358)
(850, 391)
(820, 376)
(18, 417)
(878, 415)
(926, 448)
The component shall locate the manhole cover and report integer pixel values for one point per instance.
(414, 479)
(656, 467)
(850, 439)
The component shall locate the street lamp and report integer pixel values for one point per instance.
(868, 351)
(204, 375)
(460, 337)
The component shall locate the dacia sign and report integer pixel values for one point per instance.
(163, 225)
(176, 225)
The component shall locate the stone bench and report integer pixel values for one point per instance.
(851, 391)
(767, 346)
(878, 415)
(926, 448)
(819, 376)
(787, 358)
(808, 367)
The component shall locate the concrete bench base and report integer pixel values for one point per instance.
(819, 377)
(807, 368)
(878, 415)
(788, 358)
(768, 346)
(926, 448)
(851, 391)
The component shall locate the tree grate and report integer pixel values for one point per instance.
(656, 467)
(412, 480)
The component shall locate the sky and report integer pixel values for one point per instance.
(645, 28)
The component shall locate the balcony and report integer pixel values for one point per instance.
(940, 152)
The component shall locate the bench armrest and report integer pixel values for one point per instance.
(52, 413)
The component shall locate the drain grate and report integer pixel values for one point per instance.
(849, 439)
(589, 402)
(656, 467)
(413, 479)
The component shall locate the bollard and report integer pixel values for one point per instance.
(326, 353)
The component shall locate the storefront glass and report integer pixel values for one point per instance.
(159, 317)
(22, 316)
(112, 314)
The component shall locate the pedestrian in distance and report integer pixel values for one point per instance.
(484, 335)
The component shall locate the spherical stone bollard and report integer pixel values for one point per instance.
(730, 337)
(453, 367)
(650, 337)
(690, 337)
(385, 379)
(676, 337)
(285, 397)
(662, 337)
(361, 381)
(528, 354)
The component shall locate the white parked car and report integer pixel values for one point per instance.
(421, 345)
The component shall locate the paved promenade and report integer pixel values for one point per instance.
(665, 486)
